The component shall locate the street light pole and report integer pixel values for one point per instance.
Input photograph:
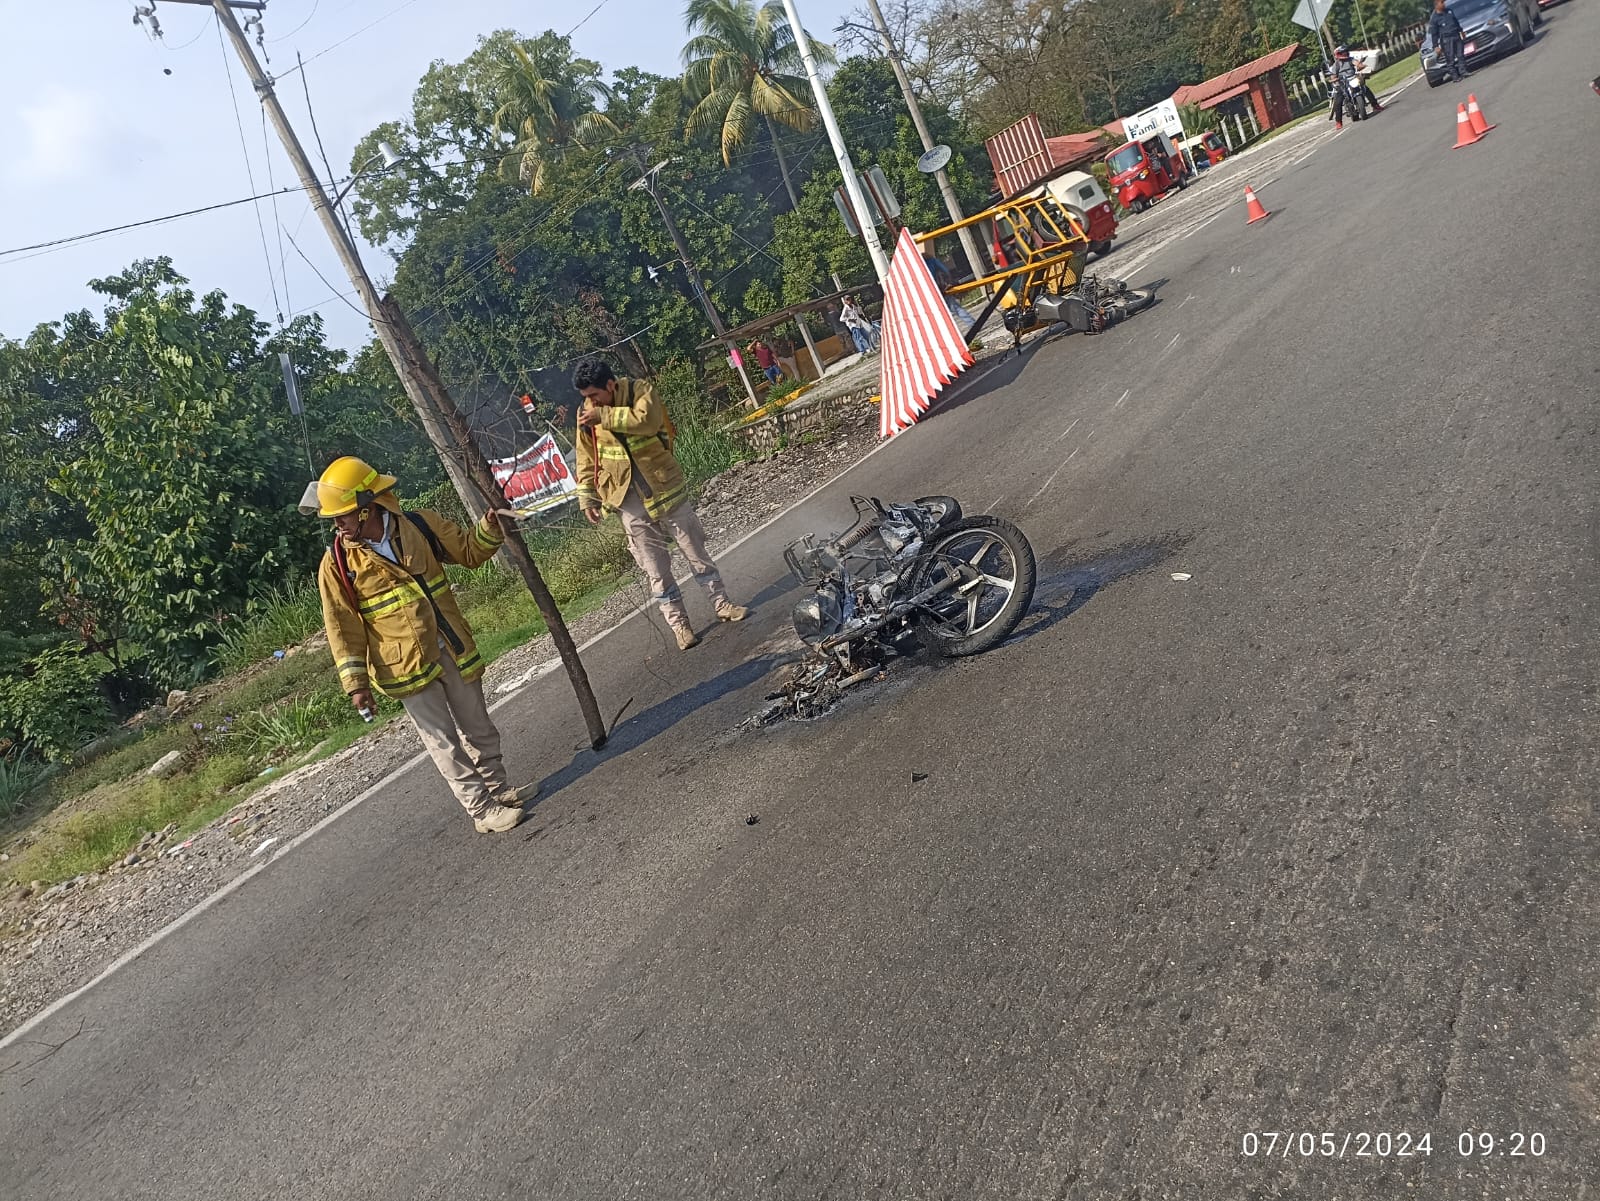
(852, 184)
(952, 205)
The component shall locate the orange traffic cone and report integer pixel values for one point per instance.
(1480, 124)
(1257, 213)
(1465, 134)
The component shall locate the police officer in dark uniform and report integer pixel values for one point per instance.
(1445, 32)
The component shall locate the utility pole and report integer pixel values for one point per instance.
(648, 183)
(951, 203)
(852, 185)
(468, 470)
(425, 408)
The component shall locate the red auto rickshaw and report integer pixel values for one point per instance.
(1205, 150)
(1145, 171)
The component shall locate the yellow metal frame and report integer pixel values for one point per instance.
(1048, 253)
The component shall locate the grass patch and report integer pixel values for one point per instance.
(283, 618)
(1396, 72)
(19, 778)
(93, 840)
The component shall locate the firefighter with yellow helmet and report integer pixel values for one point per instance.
(393, 624)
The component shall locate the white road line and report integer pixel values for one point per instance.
(240, 880)
(1068, 430)
(1123, 397)
(1174, 342)
(1186, 299)
(1053, 475)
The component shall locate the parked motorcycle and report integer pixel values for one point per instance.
(902, 577)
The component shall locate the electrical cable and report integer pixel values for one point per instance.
(249, 171)
(305, 87)
(344, 296)
(585, 21)
(272, 184)
(314, 6)
(204, 26)
(53, 244)
(300, 66)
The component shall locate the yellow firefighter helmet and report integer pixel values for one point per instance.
(349, 483)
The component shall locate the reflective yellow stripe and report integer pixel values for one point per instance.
(485, 539)
(422, 677)
(610, 451)
(352, 664)
(470, 663)
(391, 599)
(353, 673)
(619, 419)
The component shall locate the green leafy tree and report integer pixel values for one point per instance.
(187, 491)
(741, 64)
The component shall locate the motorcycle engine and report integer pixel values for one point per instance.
(820, 615)
(897, 536)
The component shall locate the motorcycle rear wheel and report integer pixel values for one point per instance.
(995, 562)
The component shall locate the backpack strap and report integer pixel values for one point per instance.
(427, 532)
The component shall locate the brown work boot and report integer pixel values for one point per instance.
(497, 819)
(686, 637)
(513, 798)
(728, 611)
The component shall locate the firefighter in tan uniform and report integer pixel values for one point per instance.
(625, 465)
(393, 624)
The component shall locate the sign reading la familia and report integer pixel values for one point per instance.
(538, 478)
(1158, 118)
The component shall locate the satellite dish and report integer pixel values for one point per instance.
(934, 160)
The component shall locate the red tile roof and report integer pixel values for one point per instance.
(1075, 148)
(1231, 81)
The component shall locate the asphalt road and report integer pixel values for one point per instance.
(1301, 844)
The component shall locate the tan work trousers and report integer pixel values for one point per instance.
(453, 721)
(647, 540)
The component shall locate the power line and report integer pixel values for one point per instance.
(300, 66)
(585, 21)
(57, 243)
(344, 296)
(89, 235)
(283, 266)
(316, 4)
(227, 67)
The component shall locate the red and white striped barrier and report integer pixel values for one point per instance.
(922, 350)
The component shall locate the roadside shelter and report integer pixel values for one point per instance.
(1257, 87)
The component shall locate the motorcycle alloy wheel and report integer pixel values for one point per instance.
(994, 563)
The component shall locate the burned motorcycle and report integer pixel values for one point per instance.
(900, 578)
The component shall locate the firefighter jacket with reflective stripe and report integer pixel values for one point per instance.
(628, 447)
(405, 616)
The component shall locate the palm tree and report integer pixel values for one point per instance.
(741, 63)
(546, 117)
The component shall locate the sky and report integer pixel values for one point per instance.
(95, 133)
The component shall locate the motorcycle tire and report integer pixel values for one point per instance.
(948, 508)
(977, 537)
